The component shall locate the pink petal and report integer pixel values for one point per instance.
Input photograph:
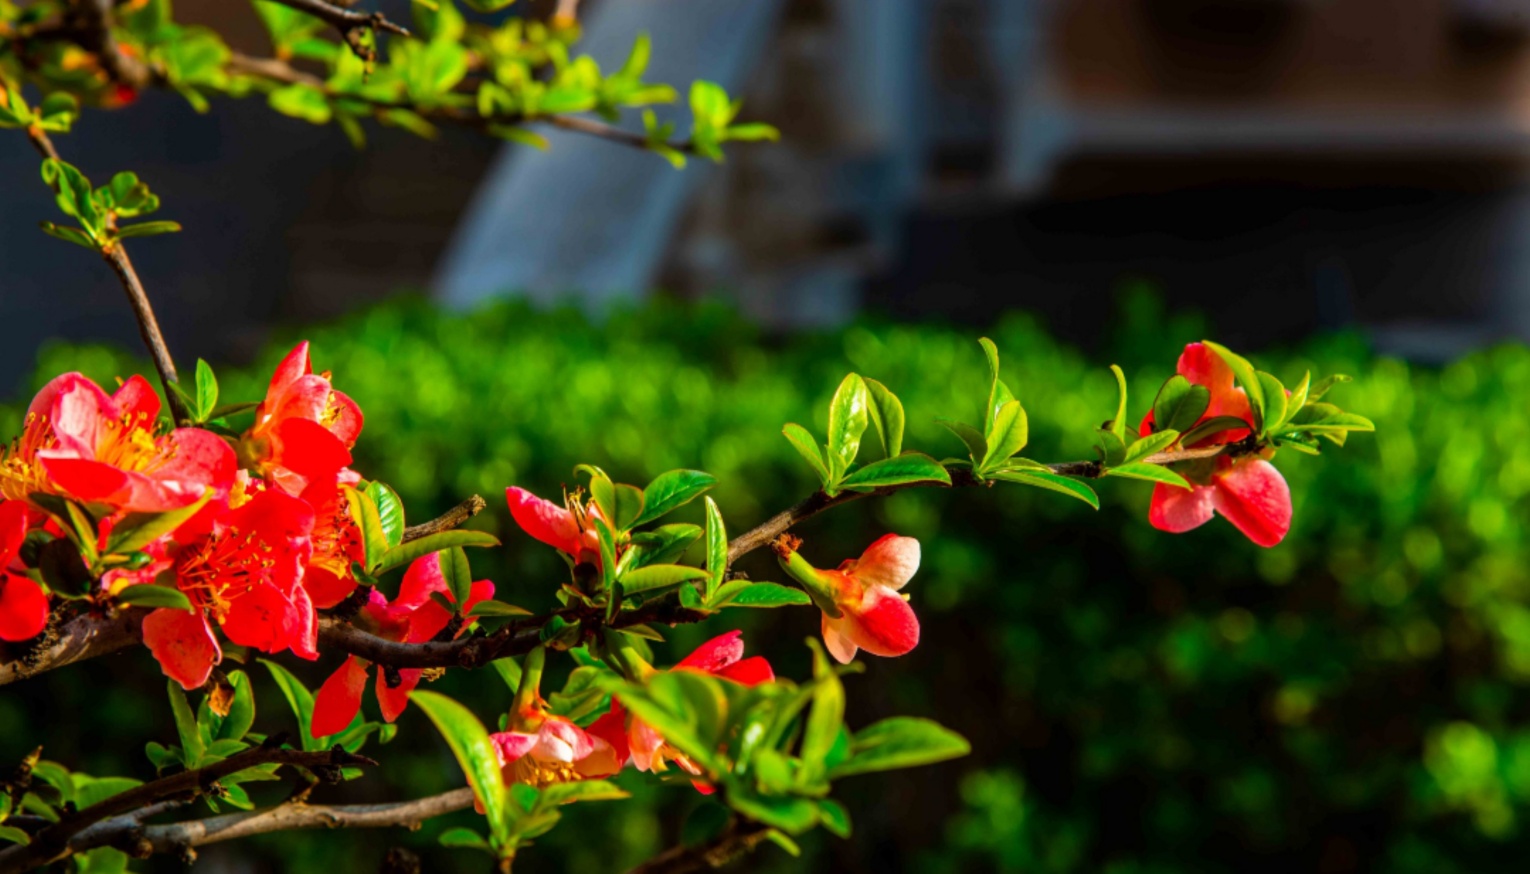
(23, 608)
(395, 701)
(1254, 496)
(511, 745)
(716, 654)
(544, 520)
(339, 699)
(892, 561)
(883, 623)
(80, 412)
(183, 644)
(558, 733)
(1177, 510)
(836, 638)
(199, 458)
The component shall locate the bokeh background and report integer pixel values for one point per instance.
(1333, 186)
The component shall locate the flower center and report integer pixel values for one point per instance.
(129, 444)
(20, 472)
(539, 773)
(222, 568)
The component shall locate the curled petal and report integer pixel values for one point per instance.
(544, 520)
(183, 644)
(23, 608)
(836, 638)
(750, 672)
(883, 623)
(1254, 497)
(716, 654)
(137, 398)
(339, 699)
(294, 367)
(890, 562)
(1177, 510)
(393, 701)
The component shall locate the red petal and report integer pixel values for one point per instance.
(201, 458)
(310, 450)
(87, 479)
(423, 577)
(339, 699)
(23, 608)
(347, 424)
(716, 654)
(325, 588)
(183, 644)
(305, 635)
(890, 562)
(750, 672)
(612, 728)
(1177, 510)
(293, 367)
(544, 520)
(883, 623)
(137, 397)
(1204, 367)
(394, 701)
(13, 529)
(1254, 496)
(261, 618)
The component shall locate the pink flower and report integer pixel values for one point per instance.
(637, 741)
(304, 429)
(566, 528)
(412, 617)
(98, 448)
(23, 606)
(860, 602)
(1248, 491)
(542, 749)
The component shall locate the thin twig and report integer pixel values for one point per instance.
(452, 518)
(739, 838)
(148, 328)
(53, 843)
(351, 24)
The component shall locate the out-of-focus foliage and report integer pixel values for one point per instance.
(1137, 702)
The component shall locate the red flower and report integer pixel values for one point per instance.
(336, 544)
(634, 739)
(99, 448)
(412, 617)
(304, 429)
(1248, 491)
(241, 568)
(23, 606)
(860, 602)
(566, 528)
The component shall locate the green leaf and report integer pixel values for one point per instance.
(794, 815)
(900, 742)
(368, 521)
(1274, 399)
(834, 818)
(137, 530)
(752, 132)
(717, 550)
(671, 490)
(998, 393)
(1323, 385)
(848, 417)
(390, 511)
(826, 717)
(144, 595)
(206, 391)
(186, 725)
(743, 593)
(508, 670)
(910, 467)
(662, 545)
(90, 790)
(629, 506)
(1156, 473)
(14, 835)
(1051, 482)
(1007, 435)
(241, 711)
(300, 700)
(1118, 424)
(497, 608)
(1211, 426)
(458, 575)
(405, 553)
(977, 444)
(301, 101)
(68, 235)
(1297, 400)
(808, 447)
(1180, 404)
(659, 576)
(582, 790)
(475, 753)
(1150, 445)
(148, 229)
(887, 415)
(74, 195)
(465, 838)
(1246, 376)
(1323, 418)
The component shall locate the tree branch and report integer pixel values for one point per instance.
(83, 637)
(53, 843)
(96, 36)
(740, 837)
(452, 518)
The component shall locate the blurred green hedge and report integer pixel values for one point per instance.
(1138, 702)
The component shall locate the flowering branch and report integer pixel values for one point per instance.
(53, 842)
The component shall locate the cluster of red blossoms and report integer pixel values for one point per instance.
(266, 537)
